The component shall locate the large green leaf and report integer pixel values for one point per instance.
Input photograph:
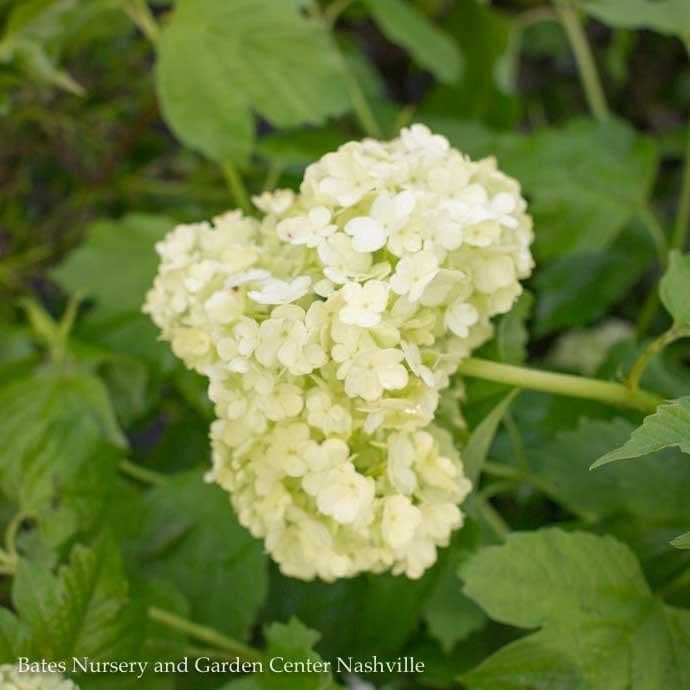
(674, 288)
(669, 426)
(60, 444)
(83, 611)
(567, 173)
(117, 263)
(626, 489)
(190, 537)
(530, 662)
(588, 596)
(431, 48)
(665, 16)
(218, 61)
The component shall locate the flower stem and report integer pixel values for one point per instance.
(561, 384)
(672, 334)
(236, 187)
(656, 232)
(141, 474)
(140, 13)
(205, 634)
(585, 60)
(492, 517)
(680, 230)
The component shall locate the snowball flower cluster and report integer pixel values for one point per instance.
(328, 329)
(12, 679)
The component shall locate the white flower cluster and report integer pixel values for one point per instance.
(327, 330)
(12, 679)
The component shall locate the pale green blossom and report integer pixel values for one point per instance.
(329, 330)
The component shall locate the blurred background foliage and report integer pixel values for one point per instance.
(120, 118)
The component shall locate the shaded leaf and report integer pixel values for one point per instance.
(187, 522)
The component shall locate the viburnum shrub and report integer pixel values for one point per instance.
(329, 327)
(12, 679)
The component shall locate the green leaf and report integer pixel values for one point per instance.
(188, 522)
(588, 596)
(293, 642)
(665, 16)
(288, 642)
(11, 631)
(219, 61)
(61, 441)
(579, 288)
(477, 447)
(484, 91)
(430, 47)
(530, 662)
(127, 243)
(353, 615)
(84, 611)
(669, 426)
(449, 614)
(622, 489)
(674, 288)
(567, 174)
(682, 542)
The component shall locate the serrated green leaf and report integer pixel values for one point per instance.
(530, 662)
(668, 427)
(219, 61)
(477, 447)
(187, 522)
(61, 443)
(293, 642)
(83, 611)
(430, 47)
(128, 244)
(588, 596)
(665, 16)
(674, 288)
